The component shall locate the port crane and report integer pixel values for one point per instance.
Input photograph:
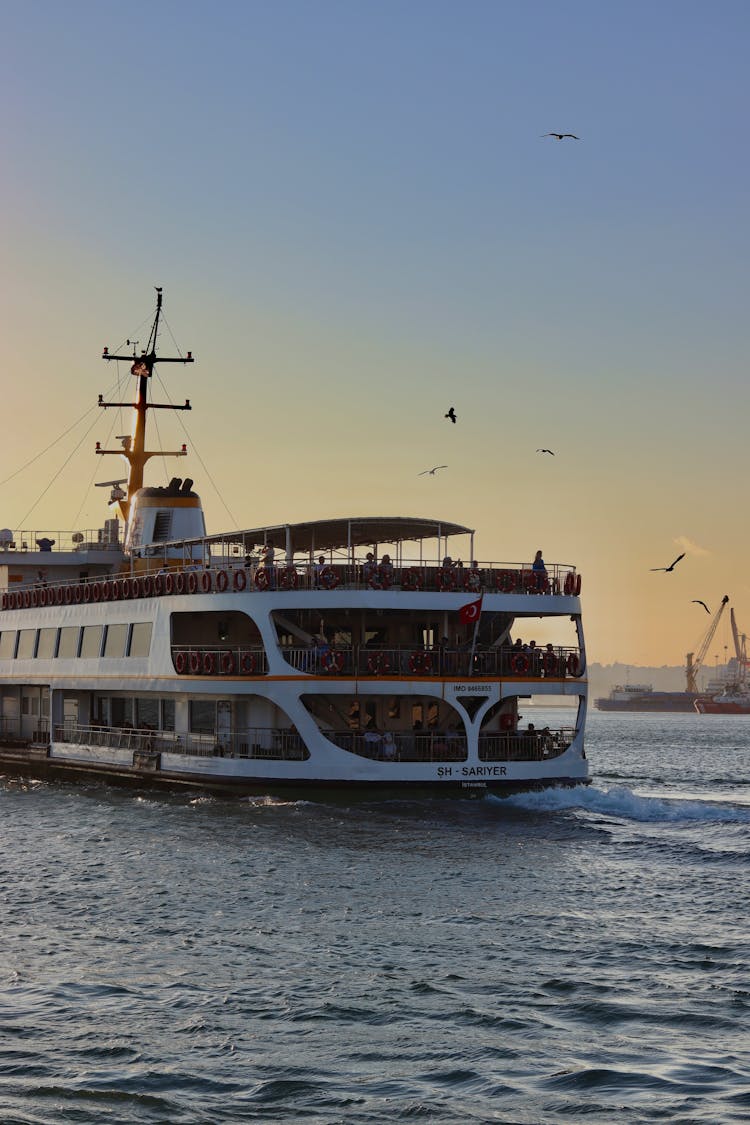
(740, 646)
(693, 667)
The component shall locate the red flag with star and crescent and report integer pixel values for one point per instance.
(470, 612)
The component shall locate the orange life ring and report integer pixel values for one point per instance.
(106, 590)
(68, 595)
(247, 663)
(158, 584)
(206, 582)
(332, 661)
(412, 579)
(87, 591)
(34, 599)
(473, 580)
(378, 664)
(5, 601)
(519, 664)
(180, 582)
(549, 663)
(59, 595)
(446, 578)
(570, 583)
(420, 662)
(375, 581)
(578, 584)
(192, 582)
(147, 586)
(505, 581)
(77, 595)
(195, 662)
(96, 592)
(169, 583)
(222, 581)
(262, 578)
(209, 663)
(328, 578)
(240, 580)
(288, 578)
(124, 588)
(227, 663)
(572, 664)
(529, 580)
(180, 662)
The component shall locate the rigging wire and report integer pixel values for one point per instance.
(96, 470)
(57, 474)
(197, 454)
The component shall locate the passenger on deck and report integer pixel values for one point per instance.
(386, 570)
(267, 565)
(318, 570)
(372, 740)
(388, 746)
(370, 568)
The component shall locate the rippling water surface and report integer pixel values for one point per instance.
(575, 955)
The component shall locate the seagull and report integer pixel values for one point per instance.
(431, 472)
(551, 452)
(697, 601)
(671, 565)
(561, 135)
(452, 415)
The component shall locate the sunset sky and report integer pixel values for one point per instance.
(358, 224)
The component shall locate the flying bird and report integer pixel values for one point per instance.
(431, 472)
(550, 451)
(561, 135)
(697, 601)
(671, 565)
(452, 415)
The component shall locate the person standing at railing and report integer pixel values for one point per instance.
(318, 570)
(267, 565)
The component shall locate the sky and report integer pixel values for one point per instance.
(357, 223)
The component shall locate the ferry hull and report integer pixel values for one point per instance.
(475, 782)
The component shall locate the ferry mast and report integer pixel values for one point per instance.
(134, 446)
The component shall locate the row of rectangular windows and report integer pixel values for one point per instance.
(85, 641)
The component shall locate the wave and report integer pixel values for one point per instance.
(623, 802)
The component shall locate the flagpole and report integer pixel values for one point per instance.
(474, 638)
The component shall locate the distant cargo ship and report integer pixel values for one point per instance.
(642, 697)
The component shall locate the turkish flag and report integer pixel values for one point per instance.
(470, 612)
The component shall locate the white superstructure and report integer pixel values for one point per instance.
(345, 653)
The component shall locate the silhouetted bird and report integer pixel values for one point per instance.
(546, 451)
(452, 415)
(697, 601)
(671, 565)
(560, 136)
(431, 471)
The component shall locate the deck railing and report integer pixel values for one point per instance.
(489, 579)
(404, 662)
(267, 743)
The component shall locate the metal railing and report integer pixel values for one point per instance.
(157, 581)
(255, 742)
(525, 746)
(406, 661)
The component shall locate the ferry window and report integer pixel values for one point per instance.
(68, 645)
(26, 644)
(417, 714)
(167, 714)
(147, 714)
(47, 643)
(115, 640)
(91, 641)
(140, 639)
(30, 704)
(202, 716)
(394, 709)
(122, 712)
(7, 644)
(432, 715)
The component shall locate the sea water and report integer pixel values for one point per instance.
(576, 955)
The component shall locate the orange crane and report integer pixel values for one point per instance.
(692, 668)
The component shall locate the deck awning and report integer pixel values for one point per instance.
(339, 534)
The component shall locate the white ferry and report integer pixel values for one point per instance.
(349, 654)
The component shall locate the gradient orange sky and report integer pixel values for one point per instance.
(357, 224)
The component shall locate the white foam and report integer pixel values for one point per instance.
(623, 802)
